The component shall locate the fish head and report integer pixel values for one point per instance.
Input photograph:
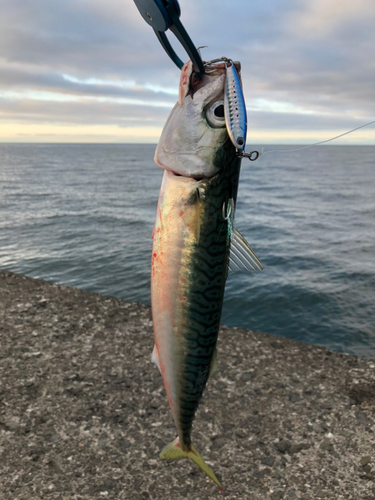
(195, 135)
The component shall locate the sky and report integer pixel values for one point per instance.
(94, 71)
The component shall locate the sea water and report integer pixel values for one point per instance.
(82, 215)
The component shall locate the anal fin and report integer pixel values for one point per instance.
(155, 357)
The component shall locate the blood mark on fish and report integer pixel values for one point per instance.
(186, 71)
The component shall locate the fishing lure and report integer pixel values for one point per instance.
(235, 109)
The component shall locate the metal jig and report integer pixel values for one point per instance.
(234, 108)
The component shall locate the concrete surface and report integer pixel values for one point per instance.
(83, 413)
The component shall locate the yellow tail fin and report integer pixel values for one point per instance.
(174, 451)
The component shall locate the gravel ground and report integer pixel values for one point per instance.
(83, 412)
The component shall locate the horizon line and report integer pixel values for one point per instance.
(155, 143)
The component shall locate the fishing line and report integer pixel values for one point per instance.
(316, 143)
(235, 114)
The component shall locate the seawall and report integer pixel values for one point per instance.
(83, 413)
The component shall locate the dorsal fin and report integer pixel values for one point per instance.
(213, 366)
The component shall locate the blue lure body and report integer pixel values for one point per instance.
(235, 109)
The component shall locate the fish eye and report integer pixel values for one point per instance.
(215, 115)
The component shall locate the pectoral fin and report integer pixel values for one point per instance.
(198, 217)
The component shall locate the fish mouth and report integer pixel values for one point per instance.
(197, 175)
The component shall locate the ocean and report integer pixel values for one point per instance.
(82, 215)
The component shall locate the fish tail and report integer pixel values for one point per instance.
(174, 451)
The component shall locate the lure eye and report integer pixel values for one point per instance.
(215, 115)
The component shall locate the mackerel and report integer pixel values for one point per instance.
(194, 246)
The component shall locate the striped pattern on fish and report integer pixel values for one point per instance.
(189, 268)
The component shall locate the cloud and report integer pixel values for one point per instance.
(53, 84)
(306, 66)
(321, 18)
(81, 111)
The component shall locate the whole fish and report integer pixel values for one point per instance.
(194, 246)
